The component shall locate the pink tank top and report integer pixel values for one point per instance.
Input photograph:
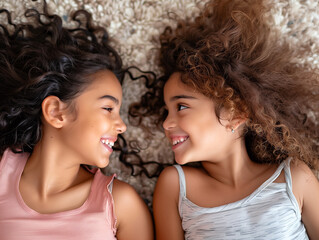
(95, 219)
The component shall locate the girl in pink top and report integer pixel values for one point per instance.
(60, 98)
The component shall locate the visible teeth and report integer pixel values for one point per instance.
(107, 142)
(179, 141)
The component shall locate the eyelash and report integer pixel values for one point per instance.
(180, 107)
(108, 109)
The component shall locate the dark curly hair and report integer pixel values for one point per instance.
(229, 54)
(42, 58)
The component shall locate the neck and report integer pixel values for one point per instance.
(49, 169)
(233, 169)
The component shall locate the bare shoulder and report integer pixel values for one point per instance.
(133, 217)
(165, 206)
(303, 178)
(167, 185)
(122, 188)
(301, 173)
(168, 175)
(305, 187)
(125, 196)
(304, 182)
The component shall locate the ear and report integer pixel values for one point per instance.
(238, 122)
(231, 122)
(54, 111)
(235, 123)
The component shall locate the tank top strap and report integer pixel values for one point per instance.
(4, 159)
(101, 196)
(182, 187)
(13, 162)
(288, 173)
(266, 183)
(110, 182)
(182, 181)
(288, 179)
(102, 182)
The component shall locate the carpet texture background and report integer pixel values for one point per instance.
(134, 26)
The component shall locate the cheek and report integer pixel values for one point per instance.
(209, 133)
(85, 130)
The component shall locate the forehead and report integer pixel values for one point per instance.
(175, 89)
(103, 82)
(104, 77)
(174, 82)
(175, 86)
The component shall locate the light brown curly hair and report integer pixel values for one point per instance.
(229, 54)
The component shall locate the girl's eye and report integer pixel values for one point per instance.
(181, 107)
(108, 109)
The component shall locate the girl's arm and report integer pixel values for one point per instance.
(168, 223)
(306, 189)
(134, 220)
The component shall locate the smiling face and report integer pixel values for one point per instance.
(97, 122)
(192, 125)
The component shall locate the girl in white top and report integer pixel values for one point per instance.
(237, 104)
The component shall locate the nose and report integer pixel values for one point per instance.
(169, 122)
(120, 126)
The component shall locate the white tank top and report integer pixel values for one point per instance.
(270, 212)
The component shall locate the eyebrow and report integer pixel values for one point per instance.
(174, 98)
(114, 99)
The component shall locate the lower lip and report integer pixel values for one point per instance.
(178, 144)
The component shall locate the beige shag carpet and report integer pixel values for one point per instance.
(135, 26)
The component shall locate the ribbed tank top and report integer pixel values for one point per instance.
(95, 219)
(271, 212)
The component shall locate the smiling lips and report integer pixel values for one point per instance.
(108, 144)
(177, 141)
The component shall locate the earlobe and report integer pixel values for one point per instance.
(53, 110)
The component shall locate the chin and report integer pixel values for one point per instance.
(181, 160)
(102, 163)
